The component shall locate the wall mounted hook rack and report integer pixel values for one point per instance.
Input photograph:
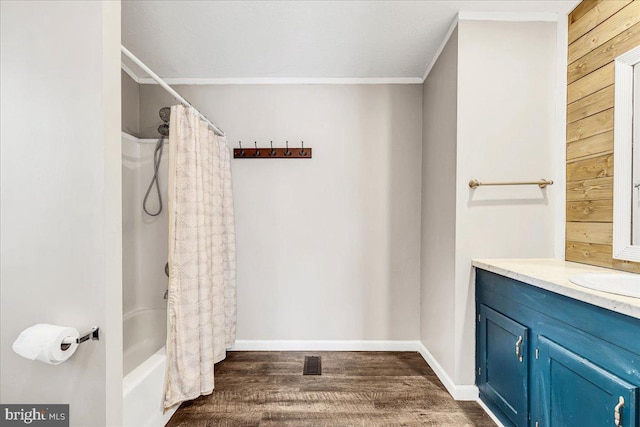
(272, 153)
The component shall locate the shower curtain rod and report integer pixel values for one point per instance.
(168, 88)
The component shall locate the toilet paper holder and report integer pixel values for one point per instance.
(93, 335)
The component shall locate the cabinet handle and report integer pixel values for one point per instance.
(518, 351)
(616, 412)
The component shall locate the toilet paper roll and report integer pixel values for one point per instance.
(43, 342)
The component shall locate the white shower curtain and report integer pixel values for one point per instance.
(202, 291)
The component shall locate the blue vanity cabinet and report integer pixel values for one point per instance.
(546, 360)
(580, 393)
(503, 374)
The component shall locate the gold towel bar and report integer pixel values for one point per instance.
(474, 183)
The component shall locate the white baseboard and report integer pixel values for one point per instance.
(490, 413)
(312, 345)
(458, 392)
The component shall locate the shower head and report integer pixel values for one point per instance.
(165, 114)
(163, 129)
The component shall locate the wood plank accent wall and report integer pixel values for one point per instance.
(599, 31)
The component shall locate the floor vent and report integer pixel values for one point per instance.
(312, 365)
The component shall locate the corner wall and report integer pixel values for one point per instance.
(488, 114)
(438, 215)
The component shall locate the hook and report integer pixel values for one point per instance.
(241, 149)
(272, 153)
(302, 152)
(287, 152)
(257, 153)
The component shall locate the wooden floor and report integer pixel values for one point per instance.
(355, 389)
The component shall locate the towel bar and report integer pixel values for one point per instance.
(474, 183)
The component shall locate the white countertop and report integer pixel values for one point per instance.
(553, 275)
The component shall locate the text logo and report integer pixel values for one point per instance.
(34, 415)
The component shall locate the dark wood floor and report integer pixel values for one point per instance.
(355, 389)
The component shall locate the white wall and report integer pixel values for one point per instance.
(60, 200)
(506, 119)
(328, 248)
(439, 139)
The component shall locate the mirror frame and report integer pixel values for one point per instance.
(623, 247)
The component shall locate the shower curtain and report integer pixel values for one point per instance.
(201, 312)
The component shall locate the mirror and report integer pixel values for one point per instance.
(626, 191)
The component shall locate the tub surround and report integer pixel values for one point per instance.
(144, 245)
(553, 275)
(144, 333)
(144, 282)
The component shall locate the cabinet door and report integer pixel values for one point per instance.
(578, 393)
(503, 375)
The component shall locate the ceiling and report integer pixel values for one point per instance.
(299, 39)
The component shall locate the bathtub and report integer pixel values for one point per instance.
(145, 361)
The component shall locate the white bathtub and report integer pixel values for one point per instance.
(145, 362)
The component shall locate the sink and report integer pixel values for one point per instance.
(619, 284)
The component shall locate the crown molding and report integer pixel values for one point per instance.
(274, 80)
(286, 81)
(508, 16)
